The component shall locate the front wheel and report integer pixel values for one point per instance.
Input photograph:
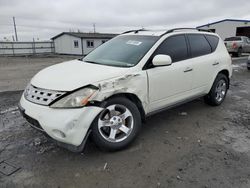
(117, 125)
(218, 91)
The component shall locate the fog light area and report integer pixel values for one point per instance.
(59, 133)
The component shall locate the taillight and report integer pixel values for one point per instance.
(234, 45)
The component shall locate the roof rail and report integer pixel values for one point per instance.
(206, 30)
(135, 31)
(184, 28)
(169, 31)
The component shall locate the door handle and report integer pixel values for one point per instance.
(216, 63)
(188, 69)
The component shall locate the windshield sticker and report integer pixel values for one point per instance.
(133, 42)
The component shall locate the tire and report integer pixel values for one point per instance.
(248, 68)
(218, 91)
(108, 131)
(239, 53)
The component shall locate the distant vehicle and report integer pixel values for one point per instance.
(248, 63)
(238, 45)
(110, 91)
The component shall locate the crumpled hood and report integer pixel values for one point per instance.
(74, 74)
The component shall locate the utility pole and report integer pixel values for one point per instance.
(15, 28)
(94, 27)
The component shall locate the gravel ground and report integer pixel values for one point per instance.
(16, 72)
(193, 145)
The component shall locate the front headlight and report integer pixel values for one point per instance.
(76, 99)
(27, 90)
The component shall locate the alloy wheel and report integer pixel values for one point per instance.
(115, 123)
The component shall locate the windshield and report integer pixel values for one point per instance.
(122, 51)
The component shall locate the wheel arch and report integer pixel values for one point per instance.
(226, 73)
(133, 98)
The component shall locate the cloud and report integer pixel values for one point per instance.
(46, 18)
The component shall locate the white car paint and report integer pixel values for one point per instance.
(156, 88)
(74, 74)
(173, 77)
(73, 122)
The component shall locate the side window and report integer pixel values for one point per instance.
(213, 30)
(213, 41)
(175, 47)
(90, 44)
(199, 45)
(76, 44)
(246, 39)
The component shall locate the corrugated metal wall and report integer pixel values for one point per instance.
(227, 28)
(22, 48)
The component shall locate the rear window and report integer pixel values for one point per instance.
(213, 41)
(199, 45)
(233, 39)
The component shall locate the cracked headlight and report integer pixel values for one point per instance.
(76, 99)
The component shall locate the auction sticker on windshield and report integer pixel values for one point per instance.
(133, 42)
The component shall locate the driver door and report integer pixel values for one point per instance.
(170, 84)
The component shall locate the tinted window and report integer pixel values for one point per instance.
(233, 39)
(213, 30)
(245, 39)
(175, 47)
(213, 41)
(199, 45)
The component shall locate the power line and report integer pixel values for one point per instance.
(15, 28)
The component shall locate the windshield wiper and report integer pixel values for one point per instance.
(106, 64)
(93, 62)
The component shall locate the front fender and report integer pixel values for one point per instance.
(135, 83)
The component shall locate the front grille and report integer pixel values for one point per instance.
(41, 96)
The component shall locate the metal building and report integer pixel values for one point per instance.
(229, 27)
(77, 43)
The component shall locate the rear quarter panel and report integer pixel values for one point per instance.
(225, 63)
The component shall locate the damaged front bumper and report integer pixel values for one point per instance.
(69, 127)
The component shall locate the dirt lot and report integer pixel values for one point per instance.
(15, 72)
(193, 145)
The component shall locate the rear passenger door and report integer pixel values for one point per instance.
(204, 60)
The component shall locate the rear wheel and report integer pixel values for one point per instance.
(218, 91)
(117, 125)
(239, 53)
(248, 68)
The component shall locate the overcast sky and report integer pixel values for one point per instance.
(43, 19)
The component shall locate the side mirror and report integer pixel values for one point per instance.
(160, 60)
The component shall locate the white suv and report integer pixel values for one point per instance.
(108, 93)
